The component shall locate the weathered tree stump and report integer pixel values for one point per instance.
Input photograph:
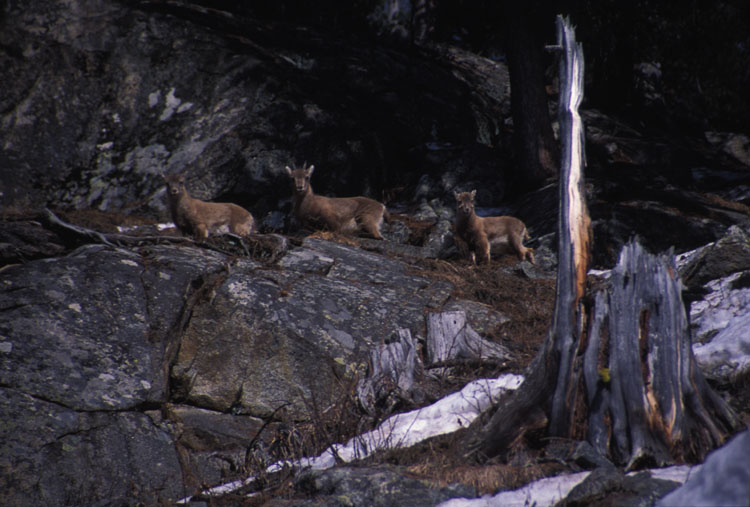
(617, 366)
(392, 367)
(648, 403)
(390, 374)
(450, 340)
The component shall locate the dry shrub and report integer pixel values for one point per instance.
(441, 460)
(487, 479)
(335, 237)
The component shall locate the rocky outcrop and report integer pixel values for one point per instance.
(85, 331)
(251, 346)
(86, 345)
(56, 455)
(177, 356)
(132, 90)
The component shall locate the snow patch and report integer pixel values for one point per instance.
(173, 104)
(153, 98)
(719, 307)
(551, 490)
(447, 415)
(725, 313)
(547, 491)
(133, 228)
(677, 473)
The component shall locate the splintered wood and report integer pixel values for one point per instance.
(574, 230)
(574, 212)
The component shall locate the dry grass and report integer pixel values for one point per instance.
(528, 303)
(441, 461)
(486, 479)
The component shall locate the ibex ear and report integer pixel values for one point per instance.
(473, 193)
(310, 170)
(288, 170)
(455, 194)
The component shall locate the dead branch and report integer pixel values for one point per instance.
(268, 247)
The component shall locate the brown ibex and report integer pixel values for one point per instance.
(337, 214)
(199, 218)
(482, 234)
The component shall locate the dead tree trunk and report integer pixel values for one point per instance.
(617, 367)
(648, 403)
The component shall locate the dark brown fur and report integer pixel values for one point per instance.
(201, 218)
(484, 234)
(337, 214)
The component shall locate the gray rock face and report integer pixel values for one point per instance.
(212, 444)
(76, 332)
(54, 455)
(252, 346)
(608, 483)
(724, 479)
(119, 113)
(730, 254)
(84, 351)
(375, 487)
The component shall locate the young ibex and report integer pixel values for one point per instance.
(199, 218)
(481, 235)
(337, 214)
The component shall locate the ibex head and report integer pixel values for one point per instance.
(175, 184)
(300, 177)
(465, 202)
